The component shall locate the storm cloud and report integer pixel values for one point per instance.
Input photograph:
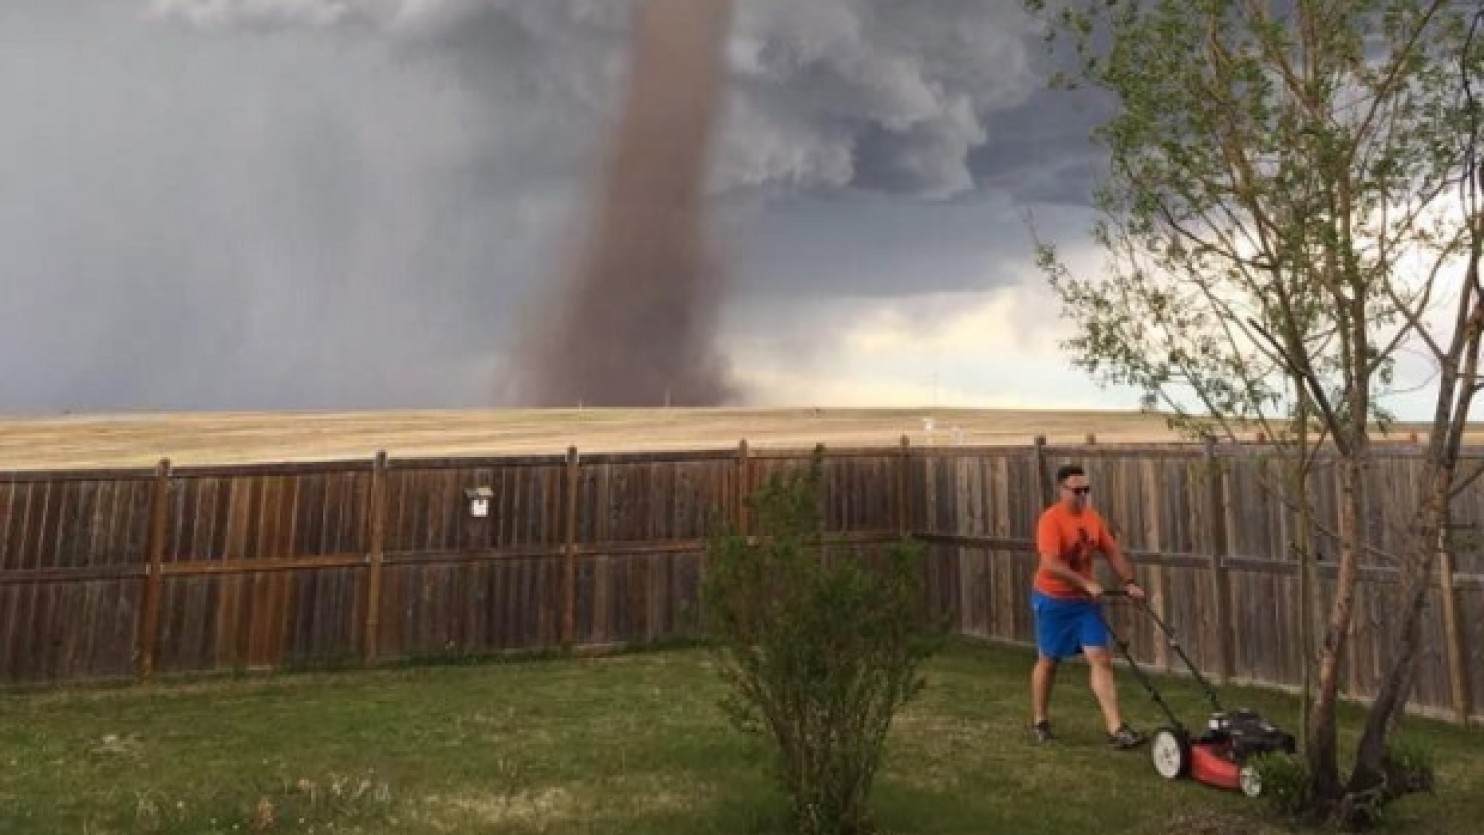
(339, 204)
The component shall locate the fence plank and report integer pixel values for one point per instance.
(1218, 518)
(1159, 588)
(376, 559)
(571, 481)
(149, 626)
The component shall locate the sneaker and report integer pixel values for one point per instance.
(1125, 737)
(1043, 731)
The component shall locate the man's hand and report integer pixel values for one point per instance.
(1134, 591)
(1093, 589)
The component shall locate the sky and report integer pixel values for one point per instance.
(347, 204)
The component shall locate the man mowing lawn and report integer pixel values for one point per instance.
(1065, 600)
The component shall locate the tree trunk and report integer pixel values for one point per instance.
(1415, 577)
(1309, 599)
(1323, 749)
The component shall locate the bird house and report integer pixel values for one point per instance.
(479, 501)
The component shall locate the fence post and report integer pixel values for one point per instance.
(1216, 526)
(1458, 672)
(376, 556)
(1158, 585)
(1043, 481)
(569, 550)
(903, 465)
(149, 627)
(744, 473)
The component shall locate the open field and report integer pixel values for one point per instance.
(625, 744)
(226, 438)
(215, 438)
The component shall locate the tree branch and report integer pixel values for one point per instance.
(1316, 388)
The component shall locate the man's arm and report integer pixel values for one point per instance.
(1121, 564)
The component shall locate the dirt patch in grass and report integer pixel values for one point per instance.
(542, 808)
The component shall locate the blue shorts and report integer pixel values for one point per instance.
(1065, 627)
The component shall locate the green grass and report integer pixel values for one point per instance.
(627, 744)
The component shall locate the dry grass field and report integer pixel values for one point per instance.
(216, 438)
(139, 440)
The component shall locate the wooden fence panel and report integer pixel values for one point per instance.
(469, 608)
(942, 584)
(1468, 534)
(263, 567)
(641, 527)
(1268, 625)
(227, 517)
(1471, 616)
(1189, 613)
(427, 511)
(632, 499)
(1261, 517)
(1370, 654)
(72, 555)
(89, 525)
(63, 631)
(636, 598)
(861, 492)
(260, 619)
(861, 489)
(459, 584)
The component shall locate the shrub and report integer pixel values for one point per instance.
(1409, 767)
(818, 651)
(1286, 786)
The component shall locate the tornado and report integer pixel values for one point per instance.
(634, 321)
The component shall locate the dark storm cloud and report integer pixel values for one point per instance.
(1043, 150)
(332, 203)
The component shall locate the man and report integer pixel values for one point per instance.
(1066, 600)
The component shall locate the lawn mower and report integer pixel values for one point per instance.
(1221, 755)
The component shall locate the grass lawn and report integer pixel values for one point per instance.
(628, 744)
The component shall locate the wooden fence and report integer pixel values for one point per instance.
(122, 574)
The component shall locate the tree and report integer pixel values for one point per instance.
(1292, 207)
(819, 649)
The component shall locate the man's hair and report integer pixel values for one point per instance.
(1066, 472)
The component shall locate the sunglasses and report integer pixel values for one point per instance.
(1081, 491)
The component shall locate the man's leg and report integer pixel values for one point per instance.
(1052, 640)
(1095, 644)
(1104, 687)
(1043, 678)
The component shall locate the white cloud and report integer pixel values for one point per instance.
(959, 324)
(990, 349)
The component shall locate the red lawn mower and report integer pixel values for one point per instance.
(1220, 756)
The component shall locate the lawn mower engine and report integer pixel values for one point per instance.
(1221, 755)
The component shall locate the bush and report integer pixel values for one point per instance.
(818, 651)
(1288, 789)
(1409, 767)
(1286, 786)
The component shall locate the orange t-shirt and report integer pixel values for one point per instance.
(1073, 537)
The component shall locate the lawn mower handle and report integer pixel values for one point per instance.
(1170, 639)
